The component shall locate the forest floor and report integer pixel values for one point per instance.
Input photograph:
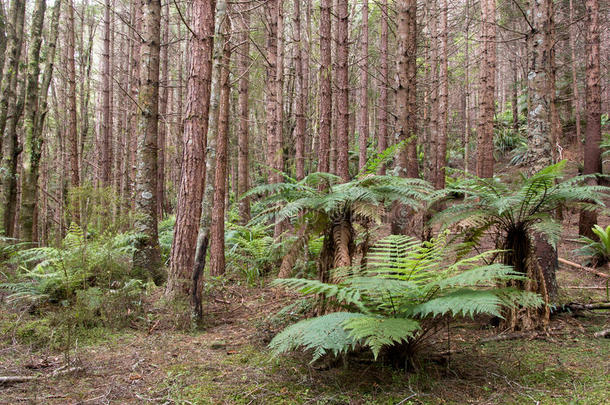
(228, 362)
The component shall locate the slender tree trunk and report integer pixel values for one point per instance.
(406, 92)
(244, 117)
(363, 110)
(515, 100)
(301, 96)
(485, 159)
(163, 124)
(342, 130)
(441, 153)
(10, 106)
(325, 86)
(147, 258)
(10, 77)
(271, 97)
(106, 165)
(382, 110)
(188, 212)
(183, 281)
(134, 88)
(592, 157)
(30, 178)
(217, 228)
(467, 91)
(406, 121)
(32, 144)
(434, 93)
(3, 42)
(72, 135)
(575, 92)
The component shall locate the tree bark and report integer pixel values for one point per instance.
(382, 112)
(106, 152)
(11, 105)
(434, 93)
(485, 159)
(406, 92)
(363, 110)
(342, 130)
(217, 228)
(181, 280)
(441, 152)
(33, 143)
(573, 62)
(147, 258)
(592, 157)
(72, 134)
(3, 42)
(325, 86)
(163, 96)
(271, 98)
(244, 117)
(301, 97)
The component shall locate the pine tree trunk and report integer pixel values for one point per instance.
(106, 146)
(300, 98)
(406, 123)
(163, 124)
(146, 258)
(467, 91)
(363, 110)
(575, 92)
(342, 130)
(217, 229)
(188, 211)
(72, 135)
(10, 76)
(382, 113)
(592, 157)
(441, 151)
(325, 86)
(10, 106)
(244, 117)
(33, 143)
(134, 88)
(485, 159)
(3, 42)
(271, 99)
(434, 93)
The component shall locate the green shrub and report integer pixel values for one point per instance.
(55, 274)
(596, 250)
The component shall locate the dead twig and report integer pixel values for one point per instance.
(584, 268)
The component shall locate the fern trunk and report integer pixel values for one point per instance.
(521, 255)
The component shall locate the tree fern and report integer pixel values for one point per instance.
(322, 204)
(513, 212)
(403, 283)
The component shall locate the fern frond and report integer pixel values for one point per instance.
(463, 302)
(377, 332)
(321, 335)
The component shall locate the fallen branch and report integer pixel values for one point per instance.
(575, 306)
(12, 379)
(602, 333)
(584, 268)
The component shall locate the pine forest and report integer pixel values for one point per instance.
(304, 202)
